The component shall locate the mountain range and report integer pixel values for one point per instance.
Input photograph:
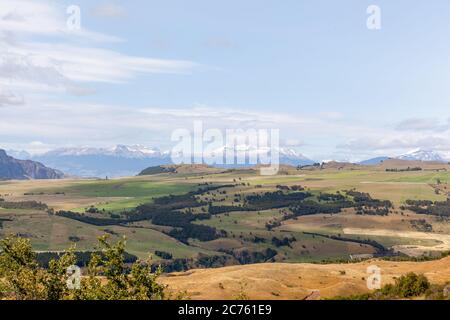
(426, 155)
(116, 161)
(12, 168)
(414, 155)
(122, 160)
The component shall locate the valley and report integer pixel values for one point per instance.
(198, 217)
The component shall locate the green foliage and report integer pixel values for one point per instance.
(156, 170)
(242, 294)
(23, 279)
(437, 208)
(108, 277)
(407, 286)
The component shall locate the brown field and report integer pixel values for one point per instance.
(296, 281)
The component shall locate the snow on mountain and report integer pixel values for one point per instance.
(291, 153)
(424, 155)
(287, 155)
(115, 161)
(135, 151)
(122, 160)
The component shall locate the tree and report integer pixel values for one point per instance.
(109, 278)
(23, 279)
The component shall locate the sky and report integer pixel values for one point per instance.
(137, 70)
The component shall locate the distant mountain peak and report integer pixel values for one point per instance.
(374, 161)
(128, 160)
(134, 151)
(289, 152)
(423, 155)
(114, 161)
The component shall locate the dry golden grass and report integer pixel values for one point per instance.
(403, 164)
(296, 281)
(15, 190)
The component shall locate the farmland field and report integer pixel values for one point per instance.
(314, 238)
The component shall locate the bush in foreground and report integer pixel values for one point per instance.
(407, 286)
(108, 277)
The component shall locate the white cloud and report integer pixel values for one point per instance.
(8, 98)
(110, 10)
(28, 67)
(68, 124)
(423, 124)
(45, 18)
(102, 125)
(40, 57)
(394, 144)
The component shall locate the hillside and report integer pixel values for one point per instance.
(180, 169)
(297, 281)
(404, 164)
(13, 169)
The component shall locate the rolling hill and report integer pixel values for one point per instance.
(297, 281)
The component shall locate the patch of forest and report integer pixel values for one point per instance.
(274, 200)
(437, 208)
(82, 257)
(229, 258)
(23, 205)
(366, 205)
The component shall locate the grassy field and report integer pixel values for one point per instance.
(53, 233)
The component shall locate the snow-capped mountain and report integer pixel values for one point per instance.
(286, 155)
(135, 151)
(424, 155)
(291, 153)
(115, 161)
(292, 157)
(414, 155)
(122, 160)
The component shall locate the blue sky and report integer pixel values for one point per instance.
(140, 69)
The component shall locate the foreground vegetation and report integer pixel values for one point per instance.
(409, 286)
(108, 277)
